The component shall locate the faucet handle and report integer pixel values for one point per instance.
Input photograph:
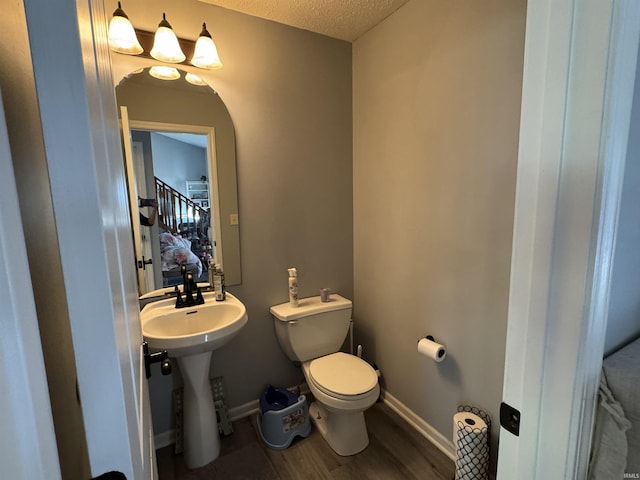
(199, 298)
(179, 302)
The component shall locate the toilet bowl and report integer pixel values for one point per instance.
(343, 385)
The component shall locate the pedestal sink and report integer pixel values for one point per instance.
(190, 335)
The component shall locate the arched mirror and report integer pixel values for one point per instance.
(179, 144)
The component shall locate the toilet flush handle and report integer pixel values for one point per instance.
(293, 322)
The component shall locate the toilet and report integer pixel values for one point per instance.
(343, 385)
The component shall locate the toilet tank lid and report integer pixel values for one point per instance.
(309, 306)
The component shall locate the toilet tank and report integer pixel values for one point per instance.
(313, 328)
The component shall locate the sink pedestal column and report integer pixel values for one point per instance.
(201, 437)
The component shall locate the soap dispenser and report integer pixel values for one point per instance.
(211, 271)
(293, 287)
(218, 283)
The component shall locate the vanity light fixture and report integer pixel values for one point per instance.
(165, 44)
(122, 37)
(205, 54)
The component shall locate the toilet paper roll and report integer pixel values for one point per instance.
(469, 426)
(470, 439)
(431, 349)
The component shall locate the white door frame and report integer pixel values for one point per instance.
(134, 168)
(145, 236)
(132, 188)
(28, 442)
(579, 75)
(77, 103)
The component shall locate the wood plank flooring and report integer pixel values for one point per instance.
(395, 451)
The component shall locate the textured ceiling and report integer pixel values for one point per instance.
(343, 19)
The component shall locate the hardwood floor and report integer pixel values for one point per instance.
(395, 451)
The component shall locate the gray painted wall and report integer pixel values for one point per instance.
(623, 324)
(437, 90)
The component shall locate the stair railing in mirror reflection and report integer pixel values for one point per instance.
(180, 214)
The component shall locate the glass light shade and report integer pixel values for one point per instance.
(164, 73)
(194, 80)
(205, 54)
(165, 44)
(122, 36)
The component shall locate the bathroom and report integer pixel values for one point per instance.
(390, 217)
(351, 171)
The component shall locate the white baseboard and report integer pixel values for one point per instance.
(245, 410)
(164, 439)
(440, 441)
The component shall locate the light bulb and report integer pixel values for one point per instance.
(194, 80)
(122, 36)
(162, 72)
(205, 54)
(165, 44)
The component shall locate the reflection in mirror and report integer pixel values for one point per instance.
(180, 151)
(183, 165)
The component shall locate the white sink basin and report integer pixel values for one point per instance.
(191, 334)
(192, 330)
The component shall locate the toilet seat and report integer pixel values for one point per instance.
(343, 376)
